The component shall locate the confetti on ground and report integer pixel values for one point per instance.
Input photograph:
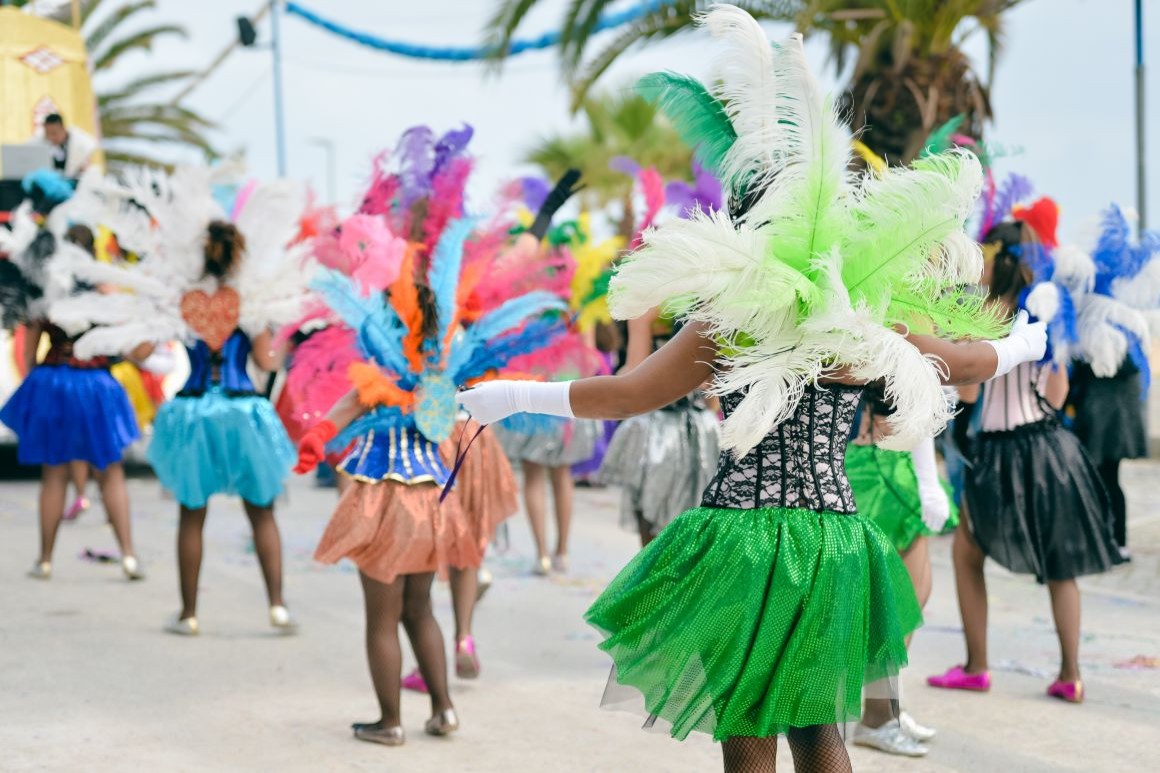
(1140, 663)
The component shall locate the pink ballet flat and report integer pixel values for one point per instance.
(78, 506)
(466, 661)
(414, 682)
(1072, 692)
(958, 679)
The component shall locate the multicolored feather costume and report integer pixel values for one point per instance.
(401, 274)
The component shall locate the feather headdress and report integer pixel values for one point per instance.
(811, 276)
(163, 219)
(401, 280)
(1116, 286)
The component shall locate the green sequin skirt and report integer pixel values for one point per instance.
(750, 622)
(886, 491)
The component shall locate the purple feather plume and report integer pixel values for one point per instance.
(450, 145)
(416, 163)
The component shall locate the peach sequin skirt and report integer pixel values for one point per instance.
(389, 529)
(486, 485)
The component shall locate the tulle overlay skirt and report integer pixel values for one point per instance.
(886, 491)
(749, 622)
(218, 444)
(390, 528)
(1037, 505)
(663, 461)
(570, 443)
(485, 486)
(63, 414)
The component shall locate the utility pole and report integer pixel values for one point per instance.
(279, 118)
(1141, 166)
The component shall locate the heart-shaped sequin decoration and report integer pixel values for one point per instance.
(213, 317)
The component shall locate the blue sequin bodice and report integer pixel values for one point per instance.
(399, 454)
(225, 369)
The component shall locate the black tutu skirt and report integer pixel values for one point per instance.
(1109, 414)
(1037, 505)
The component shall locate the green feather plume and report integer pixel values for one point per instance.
(940, 139)
(697, 115)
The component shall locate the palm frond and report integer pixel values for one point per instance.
(108, 25)
(134, 88)
(141, 40)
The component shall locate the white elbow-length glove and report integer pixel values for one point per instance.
(1027, 342)
(936, 506)
(494, 400)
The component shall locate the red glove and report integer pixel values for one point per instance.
(312, 447)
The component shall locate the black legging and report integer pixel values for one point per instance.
(1110, 475)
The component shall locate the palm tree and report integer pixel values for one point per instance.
(618, 124)
(129, 115)
(910, 74)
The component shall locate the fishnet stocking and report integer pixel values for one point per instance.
(744, 754)
(818, 749)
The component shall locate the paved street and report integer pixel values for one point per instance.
(88, 682)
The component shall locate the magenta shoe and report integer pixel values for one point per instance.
(958, 679)
(1072, 692)
(78, 506)
(466, 661)
(414, 682)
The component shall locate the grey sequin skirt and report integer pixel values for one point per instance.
(663, 461)
(572, 442)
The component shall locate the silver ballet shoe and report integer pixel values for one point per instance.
(445, 722)
(132, 568)
(41, 571)
(912, 728)
(281, 619)
(183, 626)
(374, 732)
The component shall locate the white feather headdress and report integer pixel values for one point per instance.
(813, 275)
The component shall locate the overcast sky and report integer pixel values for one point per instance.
(1064, 92)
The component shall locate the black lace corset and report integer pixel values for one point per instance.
(801, 463)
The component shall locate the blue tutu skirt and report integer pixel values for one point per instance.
(217, 444)
(63, 414)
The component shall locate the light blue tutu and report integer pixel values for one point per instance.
(217, 444)
(63, 414)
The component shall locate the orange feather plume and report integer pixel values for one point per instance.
(375, 388)
(405, 300)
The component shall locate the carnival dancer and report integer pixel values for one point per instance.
(222, 288)
(1117, 289)
(1034, 501)
(68, 410)
(663, 460)
(547, 451)
(900, 491)
(737, 619)
(393, 521)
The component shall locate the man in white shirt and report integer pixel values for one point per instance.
(73, 148)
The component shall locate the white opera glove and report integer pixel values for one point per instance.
(1027, 342)
(936, 506)
(494, 400)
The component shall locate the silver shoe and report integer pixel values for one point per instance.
(132, 568)
(445, 722)
(375, 733)
(183, 626)
(913, 729)
(41, 571)
(483, 581)
(890, 739)
(281, 619)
